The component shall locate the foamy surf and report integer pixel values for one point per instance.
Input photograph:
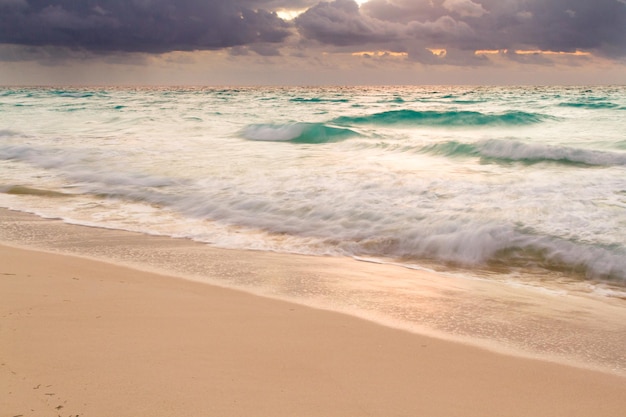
(511, 180)
(512, 150)
(489, 187)
(297, 132)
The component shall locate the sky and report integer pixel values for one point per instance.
(308, 42)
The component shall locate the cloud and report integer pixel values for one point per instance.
(445, 29)
(459, 26)
(153, 26)
(465, 8)
(13, 4)
(278, 4)
(341, 23)
(563, 25)
(555, 25)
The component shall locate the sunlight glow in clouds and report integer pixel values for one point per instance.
(289, 14)
(381, 54)
(540, 52)
(527, 52)
(261, 41)
(441, 52)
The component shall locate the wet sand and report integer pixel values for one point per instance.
(83, 337)
(80, 337)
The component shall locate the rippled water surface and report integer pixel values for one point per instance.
(511, 182)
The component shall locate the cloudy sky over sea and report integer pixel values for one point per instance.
(310, 42)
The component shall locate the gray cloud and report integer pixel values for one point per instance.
(141, 25)
(341, 23)
(557, 25)
(464, 7)
(279, 4)
(459, 26)
(443, 30)
(567, 25)
(404, 11)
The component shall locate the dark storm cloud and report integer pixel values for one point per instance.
(567, 25)
(278, 4)
(341, 23)
(467, 25)
(141, 25)
(555, 25)
(459, 26)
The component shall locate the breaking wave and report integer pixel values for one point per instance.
(509, 150)
(499, 246)
(443, 118)
(352, 228)
(297, 132)
(332, 223)
(598, 105)
(80, 166)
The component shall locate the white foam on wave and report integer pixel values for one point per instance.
(82, 166)
(270, 132)
(515, 150)
(297, 132)
(347, 199)
(322, 214)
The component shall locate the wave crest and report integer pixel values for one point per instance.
(597, 105)
(297, 132)
(498, 246)
(507, 150)
(443, 118)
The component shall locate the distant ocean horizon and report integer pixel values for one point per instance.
(518, 183)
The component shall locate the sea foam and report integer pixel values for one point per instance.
(512, 150)
(297, 132)
(468, 177)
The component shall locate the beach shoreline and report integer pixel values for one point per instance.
(556, 323)
(86, 337)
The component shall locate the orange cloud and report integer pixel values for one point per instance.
(381, 54)
(441, 52)
(530, 52)
(540, 52)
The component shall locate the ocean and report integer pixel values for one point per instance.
(519, 182)
(520, 186)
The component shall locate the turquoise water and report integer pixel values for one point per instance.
(492, 181)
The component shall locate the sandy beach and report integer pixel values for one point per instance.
(83, 337)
